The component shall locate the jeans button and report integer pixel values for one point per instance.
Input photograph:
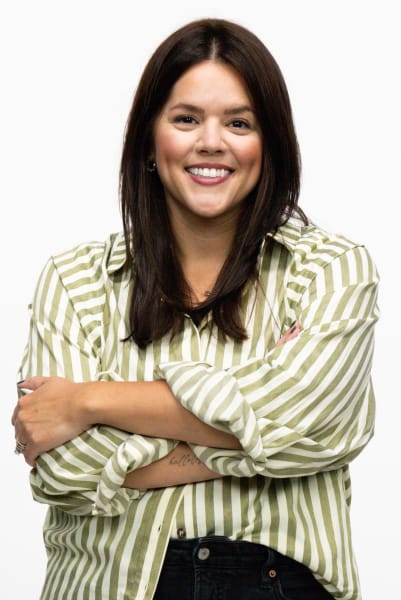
(203, 553)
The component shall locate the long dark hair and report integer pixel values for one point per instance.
(160, 294)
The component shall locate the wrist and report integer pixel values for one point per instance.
(90, 394)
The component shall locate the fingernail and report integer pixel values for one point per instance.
(292, 329)
(292, 324)
(22, 381)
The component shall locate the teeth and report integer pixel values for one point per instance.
(209, 172)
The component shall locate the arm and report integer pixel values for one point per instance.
(308, 406)
(150, 408)
(59, 410)
(179, 467)
(85, 475)
(182, 465)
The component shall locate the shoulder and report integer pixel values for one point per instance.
(90, 258)
(311, 240)
(83, 268)
(314, 254)
(317, 247)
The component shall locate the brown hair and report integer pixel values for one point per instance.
(160, 292)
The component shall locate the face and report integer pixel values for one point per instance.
(207, 144)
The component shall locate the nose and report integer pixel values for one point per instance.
(211, 139)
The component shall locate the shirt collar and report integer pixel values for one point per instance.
(289, 234)
(117, 255)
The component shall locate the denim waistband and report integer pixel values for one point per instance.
(202, 567)
(220, 548)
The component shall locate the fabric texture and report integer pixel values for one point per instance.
(302, 411)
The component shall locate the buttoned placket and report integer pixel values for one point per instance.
(202, 334)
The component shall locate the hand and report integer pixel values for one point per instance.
(50, 415)
(292, 332)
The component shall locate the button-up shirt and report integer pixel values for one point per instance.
(302, 411)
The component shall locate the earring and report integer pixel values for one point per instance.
(151, 166)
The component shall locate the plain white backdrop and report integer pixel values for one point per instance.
(68, 74)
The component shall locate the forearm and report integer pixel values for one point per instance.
(149, 408)
(59, 410)
(177, 468)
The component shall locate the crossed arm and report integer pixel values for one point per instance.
(302, 408)
(58, 410)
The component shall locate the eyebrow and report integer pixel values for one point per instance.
(236, 110)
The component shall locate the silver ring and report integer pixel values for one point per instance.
(20, 447)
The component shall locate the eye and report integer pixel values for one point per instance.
(184, 119)
(240, 124)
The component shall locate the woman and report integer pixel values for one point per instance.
(187, 447)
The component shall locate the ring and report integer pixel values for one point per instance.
(20, 447)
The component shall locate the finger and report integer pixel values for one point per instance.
(28, 452)
(295, 330)
(31, 452)
(16, 428)
(21, 442)
(282, 340)
(14, 416)
(291, 333)
(30, 459)
(33, 383)
(29, 455)
(16, 412)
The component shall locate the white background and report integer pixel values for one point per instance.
(69, 70)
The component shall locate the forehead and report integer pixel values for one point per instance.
(210, 81)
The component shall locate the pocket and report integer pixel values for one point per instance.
(298, 584)
(303, 591)
(279, 594)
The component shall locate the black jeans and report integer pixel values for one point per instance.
(216, 568)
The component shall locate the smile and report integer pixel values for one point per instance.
(208, 172)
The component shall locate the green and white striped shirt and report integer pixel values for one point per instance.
(302, 411)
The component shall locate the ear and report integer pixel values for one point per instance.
(151, 165)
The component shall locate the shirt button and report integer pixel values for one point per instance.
(181, 532)
(203, 553)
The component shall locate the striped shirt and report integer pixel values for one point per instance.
(302, 411)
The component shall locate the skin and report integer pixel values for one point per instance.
(208, 121)
(182, 465)
(57, 410)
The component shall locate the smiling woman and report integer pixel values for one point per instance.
(208, 159)
(200, 383)
(217, 132)
(252, 102)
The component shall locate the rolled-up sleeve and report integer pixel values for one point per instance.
(84, 476)
(308, 405)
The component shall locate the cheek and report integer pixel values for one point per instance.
(251, 153)
(251, 156)
(169, 149)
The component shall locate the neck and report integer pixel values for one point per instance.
(202, 250)
(203, 240)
